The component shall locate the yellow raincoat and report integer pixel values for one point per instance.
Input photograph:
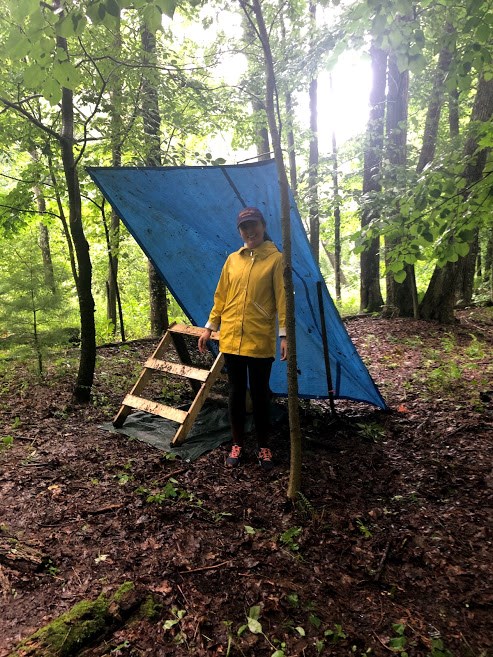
(248, 296)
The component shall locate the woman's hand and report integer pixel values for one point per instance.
(283, 348)
(204, 338)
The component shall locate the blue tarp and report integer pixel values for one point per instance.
(184, 220)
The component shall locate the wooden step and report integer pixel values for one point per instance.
(185, 371)
(195, 331)
(168, 412)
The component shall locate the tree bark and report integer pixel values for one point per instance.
(337, 218)
(435, 103)
(293, 409)
(371, 299)
(152, 127)
(439, 299)
(291, 144)
(262, 134)
(87, 363)
(402, 296)
(44, 236)
(116, 95)
(313, 160)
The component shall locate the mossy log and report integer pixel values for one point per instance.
(88, 621)
(20, 556)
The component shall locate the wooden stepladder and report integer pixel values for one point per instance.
(200, 379)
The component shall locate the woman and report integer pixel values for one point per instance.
(248, 296)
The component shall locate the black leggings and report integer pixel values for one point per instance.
(258, 371)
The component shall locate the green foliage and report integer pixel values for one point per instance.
(28, 305)
(288, 538)
(6, 442)
(399, 641)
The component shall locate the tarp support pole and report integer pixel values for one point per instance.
(325, 344)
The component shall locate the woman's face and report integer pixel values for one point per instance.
(252, 232)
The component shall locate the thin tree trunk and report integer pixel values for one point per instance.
(332, 260)
(116, 96)
(435, 103)
(291, 144)
(87, 364)
(370, 294)
(453, 112)
(44, 236)
(467, 272)
(293, 409)
(288, 101)
(262, 133)
(152, 126)
(63, 219)
(44, 245)
(313, 160)
(337, 218)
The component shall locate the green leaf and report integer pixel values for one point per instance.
(22, 8)
(278, 653)
(66, 74)
(65, 27)
(483, 33)
(33, 75)
(254, 612)
(167, 7)
(152, 18)
(93, 12)
(80, 22)
(17, 46)
(52, 91)
(254, 626)
(462, 248)
(112, 8)
(400, 276)
(300, 630)
(36, 23)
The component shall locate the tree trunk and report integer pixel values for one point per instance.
(116, 95)
(152, 127)
(291, 147)
(453, 113)
(439, 300)
(44, 236)
(402, 296)
(44, 245)
(313, 160)
(488, 256)
(87, 363)
(337, 218)
(467, 272)
(370, 295)
(293, 409)
(262, 134)
(332, 260)
(435, 103)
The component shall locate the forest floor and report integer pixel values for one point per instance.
(389, 550)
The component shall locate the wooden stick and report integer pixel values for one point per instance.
(198, 570)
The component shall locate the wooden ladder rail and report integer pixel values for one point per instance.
(201, 381)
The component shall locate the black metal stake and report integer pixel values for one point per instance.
(325, 343)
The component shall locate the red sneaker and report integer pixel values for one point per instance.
(234, 456)
(265, 458)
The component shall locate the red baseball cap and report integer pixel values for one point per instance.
(249, 214)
